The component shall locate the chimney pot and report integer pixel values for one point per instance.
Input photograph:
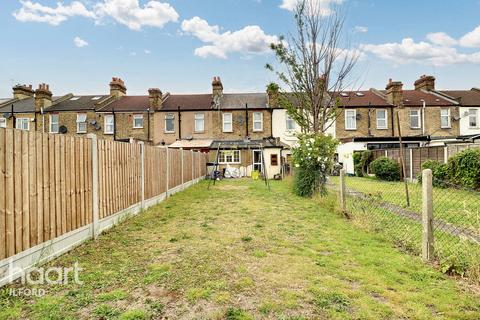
(425, 83)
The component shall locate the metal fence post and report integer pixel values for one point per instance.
(427, 216)
(167, 180)
(95, 211)
(142, 172)
(343, 202)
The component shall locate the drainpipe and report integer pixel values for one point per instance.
(179, 124)
(392, 121)
(423, 117)
(369, 120)
(148, 124)
(114, 125)
(246, 119)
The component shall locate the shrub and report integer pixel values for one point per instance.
(464, 168)
(385, 169)
(361, 161)
(439, 173)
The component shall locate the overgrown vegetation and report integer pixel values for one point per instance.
(385, 169)
(361, 162)
(439, 173)
(464, 168)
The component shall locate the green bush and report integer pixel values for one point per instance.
(464, 168)
(361, 161)
(385, 169)
(439, 173)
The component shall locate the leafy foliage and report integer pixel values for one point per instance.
(439, 173)
(313, 159)
(385, 169)
(361, 161)
(464, 168)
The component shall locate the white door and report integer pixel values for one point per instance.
(257, 160)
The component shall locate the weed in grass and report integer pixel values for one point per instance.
(259, 254)
(114, 295)
(195, 294)
(222, 297)
(157, 307)
(135, 314)
(244, 283)
(10, 312)
(156, 273)
(247, 238)
(237, 314)
(49, 308)
(332, 300)
(106, 312)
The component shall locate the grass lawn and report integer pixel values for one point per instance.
(241, 252)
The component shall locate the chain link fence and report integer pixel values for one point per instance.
(389, 209)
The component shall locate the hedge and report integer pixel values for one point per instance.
(385, 169)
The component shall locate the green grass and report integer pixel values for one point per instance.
(242, 252)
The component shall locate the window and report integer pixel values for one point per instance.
(257, 121)
(351, 119)
(3, 123)
(229, 156)
(445, 118)
(138, 121)
(274, 159)
(227, 122)
(81, 123)
(53, 123)
(169, 123)
(382, 119)
(472, 118)
(290, 123)
(109, 124)
(415, 119)
(22, 123)
(199, 122)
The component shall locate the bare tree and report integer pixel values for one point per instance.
(316, 63)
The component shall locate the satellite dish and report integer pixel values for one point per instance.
(62, 129)
(7, 115)
(97, 127)
(93, 122)
(358, 116)
(456, 118)
(240, 119)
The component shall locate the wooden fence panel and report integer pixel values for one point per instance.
(3, 229)
(187, 165)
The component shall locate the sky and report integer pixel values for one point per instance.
(77, 46)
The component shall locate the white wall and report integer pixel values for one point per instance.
(464, 122)
(279, 127)
(272, 170)
(345, 154)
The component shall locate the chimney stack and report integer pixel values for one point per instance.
(154, 98)
(272, 92)
(395, 93)
(43, 97)
(21, 92)
(117, 88)
(217, 87)
(425, 83)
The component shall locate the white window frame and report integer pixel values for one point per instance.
(52, 123)
(80, 122)
(199, 118)
(137, 117)
(20, 122)
(475, 116)
(258, 121)
(109, 121)
(347, 111)
(222, 157)
(449, 123)
(418, 116)
(3, 122)
(169, 117)
(230, 122)
(290, 120)
(379, 126)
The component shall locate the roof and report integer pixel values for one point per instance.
(77, 103)
(187, 102)
(240, 100)
(191, 144)
(244, 144)
(413, 98)
(19, 106)
(128, 103)
(362, 99)
(465, 97)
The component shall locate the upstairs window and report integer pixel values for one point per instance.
(257, 121)
(22, 124)
(445, 118)
(415, 119)
(138, 121)
(473, 118)
(351, 119)
(109, 124)
(169, 123)
(81, 123)
(382, 122)
(53, 123)
(3, 123)
(199, 122)
(290, 123)
(227, 122)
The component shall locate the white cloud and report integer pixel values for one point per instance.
(361, 29)
(471, 39)
(126, 12)
(35, 12)
(324, 6)
(146, 51)
(131, 14)
(409, 51)
(249, 40)
(79, 42)
(441, 39)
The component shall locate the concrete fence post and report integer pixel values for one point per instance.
(445, 154)
(142, 173)
(427, 216)
(343, 200)
(181, 152)
(167, 180)
(95, 209)
(410, 164)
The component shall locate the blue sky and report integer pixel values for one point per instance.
(179, 45)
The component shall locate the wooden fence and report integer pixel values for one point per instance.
(52, 185)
